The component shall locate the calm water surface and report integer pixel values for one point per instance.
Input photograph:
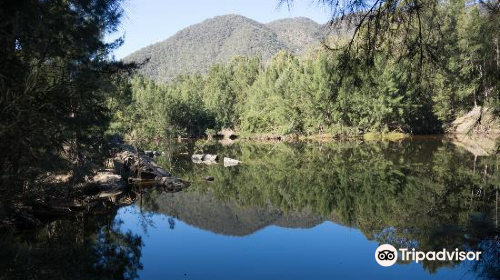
(290, 211)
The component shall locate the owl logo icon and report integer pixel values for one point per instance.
(386, 255)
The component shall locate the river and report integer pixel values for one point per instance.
(289, 211)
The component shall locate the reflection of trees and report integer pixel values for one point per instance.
(423, 194)
(489, 266)
(87, 247)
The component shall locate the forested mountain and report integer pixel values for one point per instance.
(220, 39)
(297, 34)
(344, 90)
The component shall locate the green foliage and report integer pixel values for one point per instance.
(410, 89)
(271, 106)
(157, 110)
(219, 96)
(470, 60)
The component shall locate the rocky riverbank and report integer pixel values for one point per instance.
(126, 175)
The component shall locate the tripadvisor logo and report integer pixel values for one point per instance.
(387, 255)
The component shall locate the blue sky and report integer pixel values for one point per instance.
(150, 21)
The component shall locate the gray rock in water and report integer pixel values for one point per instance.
(230, 162)
(204, 158)
(209, 178)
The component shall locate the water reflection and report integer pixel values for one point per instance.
(287, 210)
(423, 193)
(87, 247)
(205, 211)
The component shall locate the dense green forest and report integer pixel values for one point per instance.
(347, 88)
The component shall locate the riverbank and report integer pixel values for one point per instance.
(113, 183)
(477, 130)
(124, 176)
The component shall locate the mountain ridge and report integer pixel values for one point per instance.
(221, 38)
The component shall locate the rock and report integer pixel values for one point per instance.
(226, 142)
(466, 123)
(480, 120)
(105, 184)
(209, 178)
(153, 154)
(205, 158)
(227, 133)
(108, 179)
(230, 162)
(209, 157)
(197, 158)
(110, 193)
(139, 164)
(174, 184)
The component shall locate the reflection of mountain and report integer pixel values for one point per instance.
(205, 211)
(420, 191)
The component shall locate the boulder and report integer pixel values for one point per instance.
(205, 158)
(209, 178)
(230, 162)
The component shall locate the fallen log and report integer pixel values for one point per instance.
(145, 169)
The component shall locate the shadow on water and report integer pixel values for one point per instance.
(423, 193)
(86, 247)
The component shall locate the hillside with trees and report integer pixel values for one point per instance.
(405, 84)
(298, 34)
(219, 39)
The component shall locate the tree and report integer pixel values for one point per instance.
(272, 106)
(318, 92)
(55, 76)
(449, 48)
(219, 97)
